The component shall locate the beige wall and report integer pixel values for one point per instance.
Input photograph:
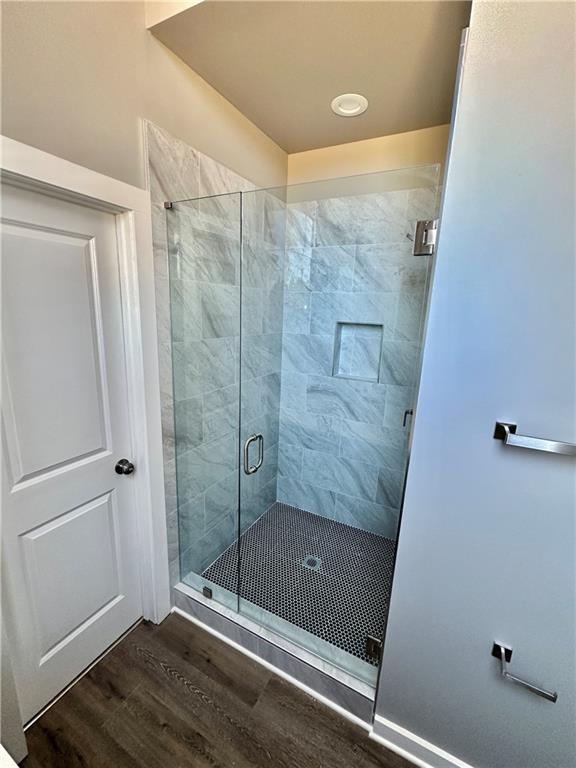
(401, 150)
(77, 76)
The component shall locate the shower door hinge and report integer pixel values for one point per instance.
(373, 647)
(425, 237)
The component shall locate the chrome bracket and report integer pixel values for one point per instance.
(425, 237)
(167, 205)
(506, 432)
(504, 654)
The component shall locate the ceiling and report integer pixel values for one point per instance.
(281, 63)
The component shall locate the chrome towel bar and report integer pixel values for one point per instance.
(504, 654)
(507, 433)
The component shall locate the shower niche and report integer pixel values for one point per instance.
(357, 351)
(297, 318)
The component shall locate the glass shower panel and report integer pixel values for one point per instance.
(297, 321)
(333, 303)
(204, 247)
(262, 275)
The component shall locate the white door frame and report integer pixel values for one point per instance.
(39, 171)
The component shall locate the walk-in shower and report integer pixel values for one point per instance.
(297, 319)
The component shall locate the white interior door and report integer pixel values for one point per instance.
(71, 576)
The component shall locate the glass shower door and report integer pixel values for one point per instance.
(333, 303)
(297, 324)
(204, 248)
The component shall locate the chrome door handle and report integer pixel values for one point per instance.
(507, 433)
(504, 654)
(249, 469)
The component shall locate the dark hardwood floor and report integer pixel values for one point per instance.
(174, 696)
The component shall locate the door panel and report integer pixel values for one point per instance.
(59, 376)
(85, 582)
(70, 559)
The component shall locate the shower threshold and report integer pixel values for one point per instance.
(322, 584)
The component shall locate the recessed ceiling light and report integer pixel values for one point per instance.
(349, 104)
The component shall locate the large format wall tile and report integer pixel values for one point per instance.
(306, 353)
(174, 167)
(350, 399)
(220, 311)
(204, 256)
(332, 268)
(354, 306)
(197, 249)
(307, 430)
(328, 309)
(355, 478)
(372, 443)
(363, 514)
(314, 275)
(308, 496)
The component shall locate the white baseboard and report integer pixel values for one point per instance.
(422, 753)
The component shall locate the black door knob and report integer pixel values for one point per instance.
(124, 467)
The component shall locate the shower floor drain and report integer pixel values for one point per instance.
(328, 578)
(312, 562)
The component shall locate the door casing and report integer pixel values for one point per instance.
(30, 168)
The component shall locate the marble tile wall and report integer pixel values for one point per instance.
(334, 444)
(353, 310)
(263, 218)
(200, 364)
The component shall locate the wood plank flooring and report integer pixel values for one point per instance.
(173, 696)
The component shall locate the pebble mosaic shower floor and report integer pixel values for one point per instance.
(327, 578)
